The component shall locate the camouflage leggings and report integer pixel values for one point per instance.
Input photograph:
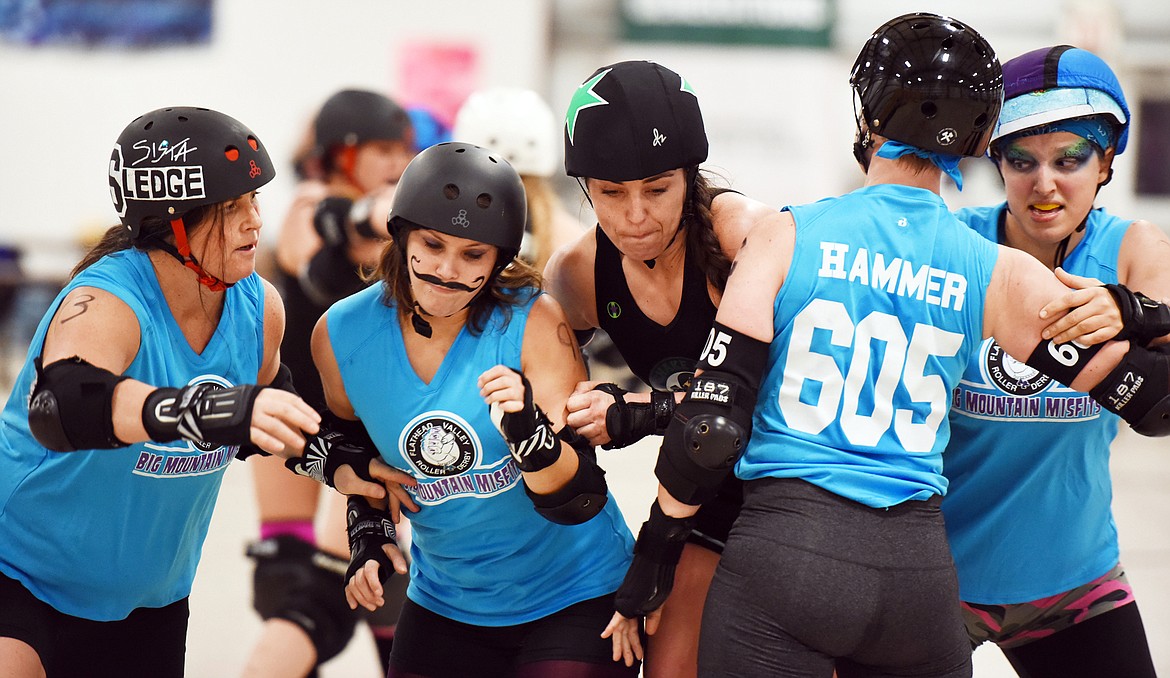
(1016, 624)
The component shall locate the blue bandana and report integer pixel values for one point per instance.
(1094, 129)
(949, 164)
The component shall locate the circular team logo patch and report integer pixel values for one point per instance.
(672, 374)
(440, 444)
(1010, 375)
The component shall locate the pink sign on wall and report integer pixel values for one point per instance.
(437, 76)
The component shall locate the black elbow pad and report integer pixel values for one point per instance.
(579, 500)
(71, 406)
(713, 423)
(1138, 390)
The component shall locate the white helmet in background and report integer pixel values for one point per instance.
(514, 122)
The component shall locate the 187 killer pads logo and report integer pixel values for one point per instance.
(145, 177)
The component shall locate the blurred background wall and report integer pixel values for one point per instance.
(779, 114)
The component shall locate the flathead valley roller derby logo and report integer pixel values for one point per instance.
(672, 374)
(440, 444)
(1010, 375)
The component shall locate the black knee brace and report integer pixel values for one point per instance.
(297, 582)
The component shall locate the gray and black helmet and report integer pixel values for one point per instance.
(632, 120)
(929, 81)
(356, 116)
(172, 160)
(463, 190)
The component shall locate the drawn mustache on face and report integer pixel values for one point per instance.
(452, 285)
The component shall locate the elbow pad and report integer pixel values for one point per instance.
(71, 406)
(1138, 390)
(713, 423)
(579, 500)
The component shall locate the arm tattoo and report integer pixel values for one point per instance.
(81, 303)
(566, 336)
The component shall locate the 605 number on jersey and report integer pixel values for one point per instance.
(842, 393)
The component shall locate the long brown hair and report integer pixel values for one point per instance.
(541, 210)
(154, 234)
(702, 243)
(502, 292)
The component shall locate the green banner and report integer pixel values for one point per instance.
(790, 23)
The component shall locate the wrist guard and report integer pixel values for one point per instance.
(1142, 318)
(656, 553)
(284, 382)
(369, 529)
(327, 452)
(203, 413)
(529, 433)
(628, 423)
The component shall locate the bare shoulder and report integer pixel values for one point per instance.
(546, 318)
(569, 278)
(96, 325)
(1141, 264)
(733, 215)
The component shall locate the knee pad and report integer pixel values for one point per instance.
(297, 582)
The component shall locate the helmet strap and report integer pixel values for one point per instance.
(182, 252)
(420, 325)
(346, 162)
(863, 141)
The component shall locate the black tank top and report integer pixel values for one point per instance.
(662, 356)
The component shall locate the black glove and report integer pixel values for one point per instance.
(627, 423)
(204, 413)
(369, 529)
(328, 451)
(651, 576)
(529, 433)
(1142, 318)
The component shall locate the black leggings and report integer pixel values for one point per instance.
(151, 642)
(1110, 644)
(811, 582)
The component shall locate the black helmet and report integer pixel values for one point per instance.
(931, 82)
(463, 190)
(633, 120)
(355, 116)
(172, 160)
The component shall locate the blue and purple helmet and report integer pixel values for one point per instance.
(1058, 83)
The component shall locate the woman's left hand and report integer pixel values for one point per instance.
(627, 642)
(502, 386)
(1088, 314)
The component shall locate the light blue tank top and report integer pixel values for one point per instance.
(99, 533)
(1028, 512)
(880, 310)
(481, 553)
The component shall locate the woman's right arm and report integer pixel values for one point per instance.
(82, 401)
